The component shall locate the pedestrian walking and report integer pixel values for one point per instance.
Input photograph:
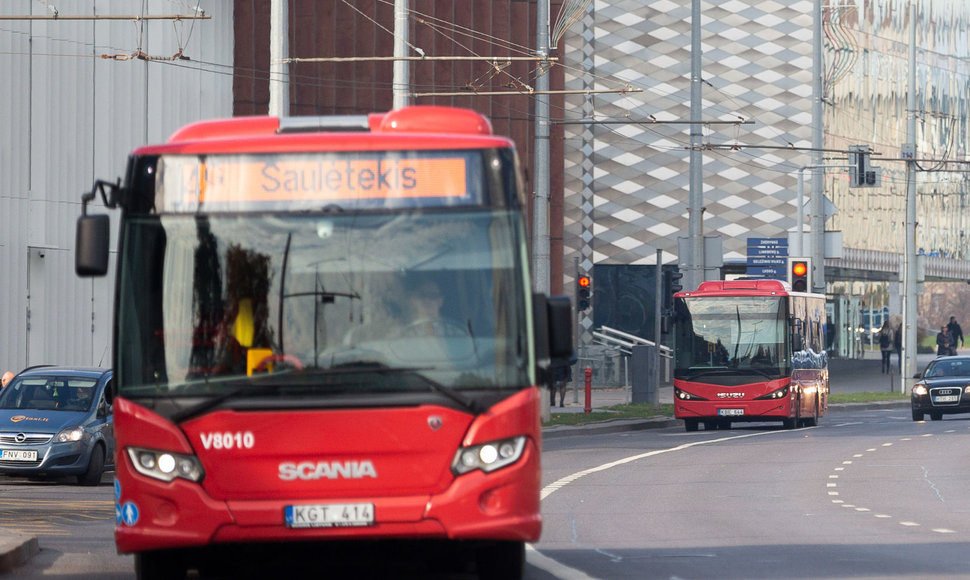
(898, 344)
(943, 342)
(885, 336)
(956, 334)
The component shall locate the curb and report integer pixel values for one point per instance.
(621, 425)
(15, 550)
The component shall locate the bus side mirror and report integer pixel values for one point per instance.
(553, 323)
(91, 245)
(560, 319)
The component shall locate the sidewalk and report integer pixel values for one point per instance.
(845, 376)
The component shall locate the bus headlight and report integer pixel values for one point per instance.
(779, 394)
(165, 465)
(488, 456)
(685, 396)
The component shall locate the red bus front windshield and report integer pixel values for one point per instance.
(731, 340)
(358, 305)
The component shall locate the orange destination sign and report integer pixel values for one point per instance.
(249, 179)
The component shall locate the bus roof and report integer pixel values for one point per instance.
(759, 287)
(409, 128)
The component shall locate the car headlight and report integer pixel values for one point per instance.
(69, 434)
(165, 465)
(919, 390)
(488, 456)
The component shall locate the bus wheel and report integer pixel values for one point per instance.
(725, 425)
(690, 425)
(501, 561)
(158, 565)
(710, 425)
(813, 420)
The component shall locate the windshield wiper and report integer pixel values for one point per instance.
(358, 367)
(348, 369)
(694, 373)
(212, 402)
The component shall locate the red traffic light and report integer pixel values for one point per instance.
(583, 281)
(799, 268)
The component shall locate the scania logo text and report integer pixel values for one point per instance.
(309, 470)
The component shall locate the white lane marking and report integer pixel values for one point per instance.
(562, 482)
(908, 524)
(943, 531)
(563, 572)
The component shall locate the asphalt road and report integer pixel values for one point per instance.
(867, 494)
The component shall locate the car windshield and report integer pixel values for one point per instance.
(58, 393)
(948, 368)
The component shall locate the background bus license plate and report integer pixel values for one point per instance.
(946, 399)
(329, 515)
(18, 455)
(730, 412)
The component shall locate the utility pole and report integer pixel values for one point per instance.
(909, 362)
(695, 206)
(540, 205)
(279, 76)
(816, 203)
(401, 81)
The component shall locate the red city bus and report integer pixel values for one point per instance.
(749, 350)
(324, 330)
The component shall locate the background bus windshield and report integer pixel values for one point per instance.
(731, 334)
(207, 301)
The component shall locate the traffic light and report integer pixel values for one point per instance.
(671, 286)
(799, 274)
(861, 171)
(675, 285)
(583, 288)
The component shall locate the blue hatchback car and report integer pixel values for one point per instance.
(54, 421)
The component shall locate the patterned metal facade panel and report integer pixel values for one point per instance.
(79, 102)
(634, 178)
(626, 185)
